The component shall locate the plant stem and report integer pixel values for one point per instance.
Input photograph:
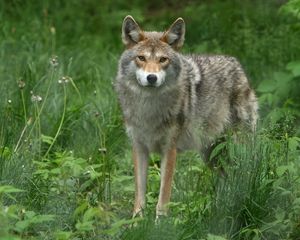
(24, 107)
(61, 122)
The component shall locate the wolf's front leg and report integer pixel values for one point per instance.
(140, 160)
(167, 171)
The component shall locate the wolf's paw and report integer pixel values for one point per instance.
(160, 219)
(138, 213)
(136, 217)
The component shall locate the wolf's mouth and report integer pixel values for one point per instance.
(150, 79)
(149, 86)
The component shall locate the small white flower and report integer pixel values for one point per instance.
(36, 98)
(21, 84)
(52, 30)
(102, 150)
(64, 80)
(6, 208)
(54, 61)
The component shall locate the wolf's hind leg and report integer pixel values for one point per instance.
(245, 108)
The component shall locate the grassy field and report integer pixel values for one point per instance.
(65, 161)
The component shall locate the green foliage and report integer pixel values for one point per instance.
(65, 162)
(292, 7)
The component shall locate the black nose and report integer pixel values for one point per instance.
(152, 78)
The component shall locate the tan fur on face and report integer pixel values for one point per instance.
(151, 62)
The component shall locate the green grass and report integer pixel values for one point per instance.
(65, 161)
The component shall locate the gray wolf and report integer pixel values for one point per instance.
(173, 102)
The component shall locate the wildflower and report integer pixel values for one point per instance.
(64, 80)
(21, 84)
(54, 61)
(102, 150)
(6, 208)
(9, 101)
(35, 98)
(53, 30)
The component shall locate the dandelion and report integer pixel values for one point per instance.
(64, 80)
(21, 84)
(35, 98)
(9, 101)
(6, 208)
(52, 30)
(54, 61)
(102, 150)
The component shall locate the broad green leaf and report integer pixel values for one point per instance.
(47, 139)
(116, 227)
(5, 152)
(9, 189)
(85, 226)
(217, 150)
(294, 67)
(294, 143)
(266, 86)
(90, 214)
(61, 235)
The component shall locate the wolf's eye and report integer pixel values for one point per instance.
(142, 58)
(163, 59)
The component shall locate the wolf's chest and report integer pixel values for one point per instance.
(149, 116)
(150, 122)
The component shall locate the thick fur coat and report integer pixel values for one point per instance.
(186, 103)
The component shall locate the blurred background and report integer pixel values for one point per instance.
(62, 140)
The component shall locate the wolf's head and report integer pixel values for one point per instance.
(151, 58)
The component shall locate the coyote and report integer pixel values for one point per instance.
(173, 102)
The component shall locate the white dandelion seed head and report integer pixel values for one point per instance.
(36, 98)
(54, 61)
(64, 80)
(102, 150)
(52, 30)
(21, 84)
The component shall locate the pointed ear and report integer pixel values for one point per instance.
(131, 32)
(174, 36)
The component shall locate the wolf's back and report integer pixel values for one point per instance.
(223, 94)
